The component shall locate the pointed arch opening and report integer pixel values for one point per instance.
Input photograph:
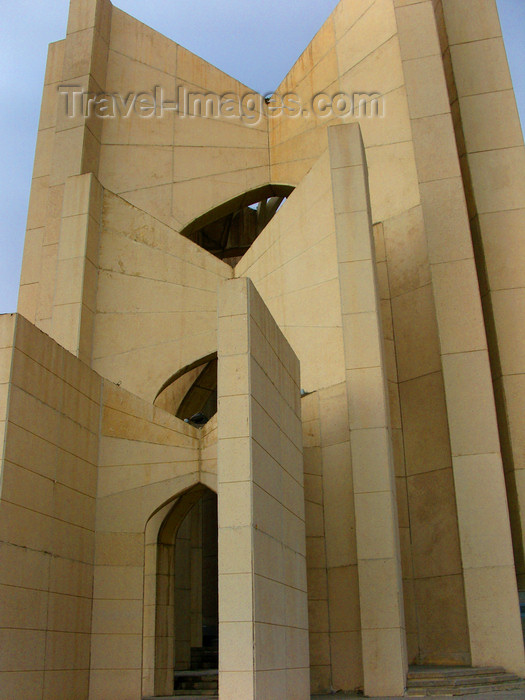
(182, 610)
(227, 231)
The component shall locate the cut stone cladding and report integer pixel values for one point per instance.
(217, 159)
(263, 607)
(47, 513)
(369, 272)
(157, 292)
(85, 464)
(492, 158)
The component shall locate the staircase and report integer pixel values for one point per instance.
(460, 680)
(205, 657)
(203, 678)
(202, 683)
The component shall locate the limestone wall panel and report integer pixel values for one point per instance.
(47, 515)
(156, 289)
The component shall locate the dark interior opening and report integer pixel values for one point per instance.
(191, 393)
(229, 230)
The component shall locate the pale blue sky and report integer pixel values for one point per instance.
(256, 42)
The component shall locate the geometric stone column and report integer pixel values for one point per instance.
(263, 619)
(491, 150)
(484, 529)
(377, 531)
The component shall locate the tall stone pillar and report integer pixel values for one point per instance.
(377, 531)
(486, 548)
(263, 619)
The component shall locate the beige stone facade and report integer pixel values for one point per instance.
(335, 300)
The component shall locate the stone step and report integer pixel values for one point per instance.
(481, 679)
(460, 680)
(466, 690)
(197, 672)
(186, 694)
(210, 674)
(201, 682)
(200, 674)
(447, 671)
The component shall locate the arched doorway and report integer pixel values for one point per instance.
(186, 611)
